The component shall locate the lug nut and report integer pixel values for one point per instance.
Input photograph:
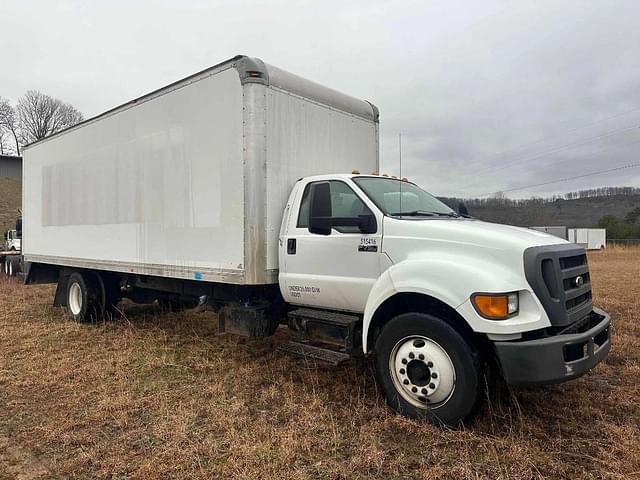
(430, 364)
(425, 391)
(404, 361)
(434, 375)
(402, 371)
(414, 389)
(406, 381)
(421, 357)
(412, 356)
(432, 385)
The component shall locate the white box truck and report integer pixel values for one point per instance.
(10, 248)
(228, 187)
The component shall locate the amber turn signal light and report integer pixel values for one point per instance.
(495, 306)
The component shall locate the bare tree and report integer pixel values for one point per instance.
(9, 123)
(40, 115)
(3, 139)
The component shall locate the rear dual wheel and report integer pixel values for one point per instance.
(427, 370)
(10, 267)
(88, 298)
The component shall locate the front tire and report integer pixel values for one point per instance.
(427, 371)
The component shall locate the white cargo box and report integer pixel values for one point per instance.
(190, 181)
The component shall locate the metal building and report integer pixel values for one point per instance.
(558, 231)
(11, 166)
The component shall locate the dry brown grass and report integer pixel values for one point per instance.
(10, 201)
(162, 396)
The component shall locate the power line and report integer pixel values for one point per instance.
(631, 165)
(557, 149)
(571, 130)
(611, 147)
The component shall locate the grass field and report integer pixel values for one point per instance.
(155, 395)
(10, 201)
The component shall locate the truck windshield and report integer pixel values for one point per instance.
(386, 194)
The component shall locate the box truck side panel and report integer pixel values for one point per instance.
(308, 138)
(154, 188)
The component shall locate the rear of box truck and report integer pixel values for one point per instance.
(190, 181)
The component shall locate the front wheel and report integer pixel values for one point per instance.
(426, 369)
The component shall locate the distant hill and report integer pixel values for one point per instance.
(579, 212)
(10, 202)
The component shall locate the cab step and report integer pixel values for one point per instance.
(316, 353)
(324, 316)
(326, 327)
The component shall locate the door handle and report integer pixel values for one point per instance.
(291, 246)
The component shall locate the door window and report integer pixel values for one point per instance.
(344, 203)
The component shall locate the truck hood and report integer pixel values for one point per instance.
(408, 237)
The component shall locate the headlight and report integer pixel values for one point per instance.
(495, 306)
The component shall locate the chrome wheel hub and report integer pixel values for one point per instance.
(75, 299)
(422, 371)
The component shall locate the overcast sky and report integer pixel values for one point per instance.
(489, 96)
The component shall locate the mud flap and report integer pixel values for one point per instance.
(252, 321)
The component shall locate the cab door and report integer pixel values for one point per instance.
(337, 270)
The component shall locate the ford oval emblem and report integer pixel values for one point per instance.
(579, 281)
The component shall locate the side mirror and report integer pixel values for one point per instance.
(320, 208)
(367, 223)
(462, 209)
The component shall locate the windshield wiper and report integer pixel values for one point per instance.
(447, 214)
(414, 213)
(425, 213)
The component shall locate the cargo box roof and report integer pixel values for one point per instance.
(253, 70)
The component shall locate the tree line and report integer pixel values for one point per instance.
(500, 200)
(34, 116)
(622, 228)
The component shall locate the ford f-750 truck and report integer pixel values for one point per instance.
(228, 188)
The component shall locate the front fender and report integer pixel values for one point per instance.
(452, 280)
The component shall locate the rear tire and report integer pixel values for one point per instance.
(83, 298)
(12, 266)
(109, 296)
(426, 370)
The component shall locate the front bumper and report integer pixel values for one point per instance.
(558, 358)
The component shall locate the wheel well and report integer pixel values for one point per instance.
(416, 302)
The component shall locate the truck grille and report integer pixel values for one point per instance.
(559, 276)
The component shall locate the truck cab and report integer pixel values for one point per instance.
(439, 295)
(12, 241)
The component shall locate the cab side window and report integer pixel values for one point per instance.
(344, 203)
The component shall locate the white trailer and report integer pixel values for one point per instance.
(589, 238)
(229, 187)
